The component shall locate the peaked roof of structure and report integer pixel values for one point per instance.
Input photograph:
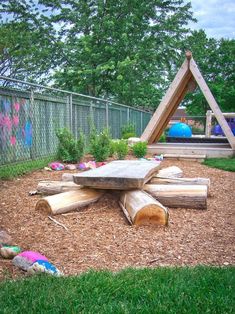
(187, 78)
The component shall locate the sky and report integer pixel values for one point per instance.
(216, 17)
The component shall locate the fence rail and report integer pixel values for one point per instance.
(31, 113)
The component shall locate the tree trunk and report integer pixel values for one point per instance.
(55, 187)
(68, 201)
(181, 181)
(140, 208)
(183, 196)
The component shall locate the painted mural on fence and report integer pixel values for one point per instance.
(15, 123)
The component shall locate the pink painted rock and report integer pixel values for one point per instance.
(33, 256)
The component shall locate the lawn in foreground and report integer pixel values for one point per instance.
(227, 164)
(162, 290)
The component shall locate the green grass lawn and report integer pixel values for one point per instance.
(227, 164)
(14, 170)
(162, 290)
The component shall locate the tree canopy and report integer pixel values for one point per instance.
(124, 50)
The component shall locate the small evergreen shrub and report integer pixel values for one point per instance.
(128, 130)
(121, 149)
(112, 148)
(100, 144)
(139, 149)
(69, 149)
(162, 138)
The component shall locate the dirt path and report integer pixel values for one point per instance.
(99, 236)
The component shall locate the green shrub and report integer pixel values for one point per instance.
(121, 149)
(112, 147)
(162, 138)
(139, 149)
(100, 144)
(69, 149)
(128, 130)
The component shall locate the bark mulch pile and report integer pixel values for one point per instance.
(100, 237)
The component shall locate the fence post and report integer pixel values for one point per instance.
(141, 122)
(107, 114)
(128, 115)
(208, 123)
(34, 126)
(69, 112)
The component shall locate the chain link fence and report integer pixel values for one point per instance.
(30, 114)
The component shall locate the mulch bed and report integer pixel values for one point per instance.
(99, 236)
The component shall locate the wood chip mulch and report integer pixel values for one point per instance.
(99, 236)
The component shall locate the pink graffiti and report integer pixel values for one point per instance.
(13, 140)
(17, 106)
(7, 122)
(15, 120)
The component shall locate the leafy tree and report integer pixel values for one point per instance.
(28, 42)
(120, 49)
(215, 59)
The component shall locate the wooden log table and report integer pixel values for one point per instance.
(119, 175)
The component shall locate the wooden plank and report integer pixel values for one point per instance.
(212, 102)
(119, 175)
(154, 124)
(142, 209)
(208, 123)
(226, 114)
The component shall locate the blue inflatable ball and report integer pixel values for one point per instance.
(180, 130)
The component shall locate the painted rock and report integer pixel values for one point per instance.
(21, 262)
(9, 251)
(41, 266)
(70, 167)
(33, 256)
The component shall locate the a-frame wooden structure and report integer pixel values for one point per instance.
(187, 78)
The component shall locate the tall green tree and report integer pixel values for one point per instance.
(28, 42)
(215, 59)
(121, 49)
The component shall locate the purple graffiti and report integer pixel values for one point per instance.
(7, 105)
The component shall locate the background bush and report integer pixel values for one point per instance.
(128, 130)
(69, 149)
(100, 144)
(121, 149)
(139, 149)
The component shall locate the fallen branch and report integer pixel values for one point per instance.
(58, 223)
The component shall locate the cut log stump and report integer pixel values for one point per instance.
(182, 196)
(68, 201)
(55, 187)
(140, 208)
(170, 172)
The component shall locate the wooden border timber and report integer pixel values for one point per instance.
(184, 80)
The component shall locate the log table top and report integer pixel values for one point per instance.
(119, 175)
